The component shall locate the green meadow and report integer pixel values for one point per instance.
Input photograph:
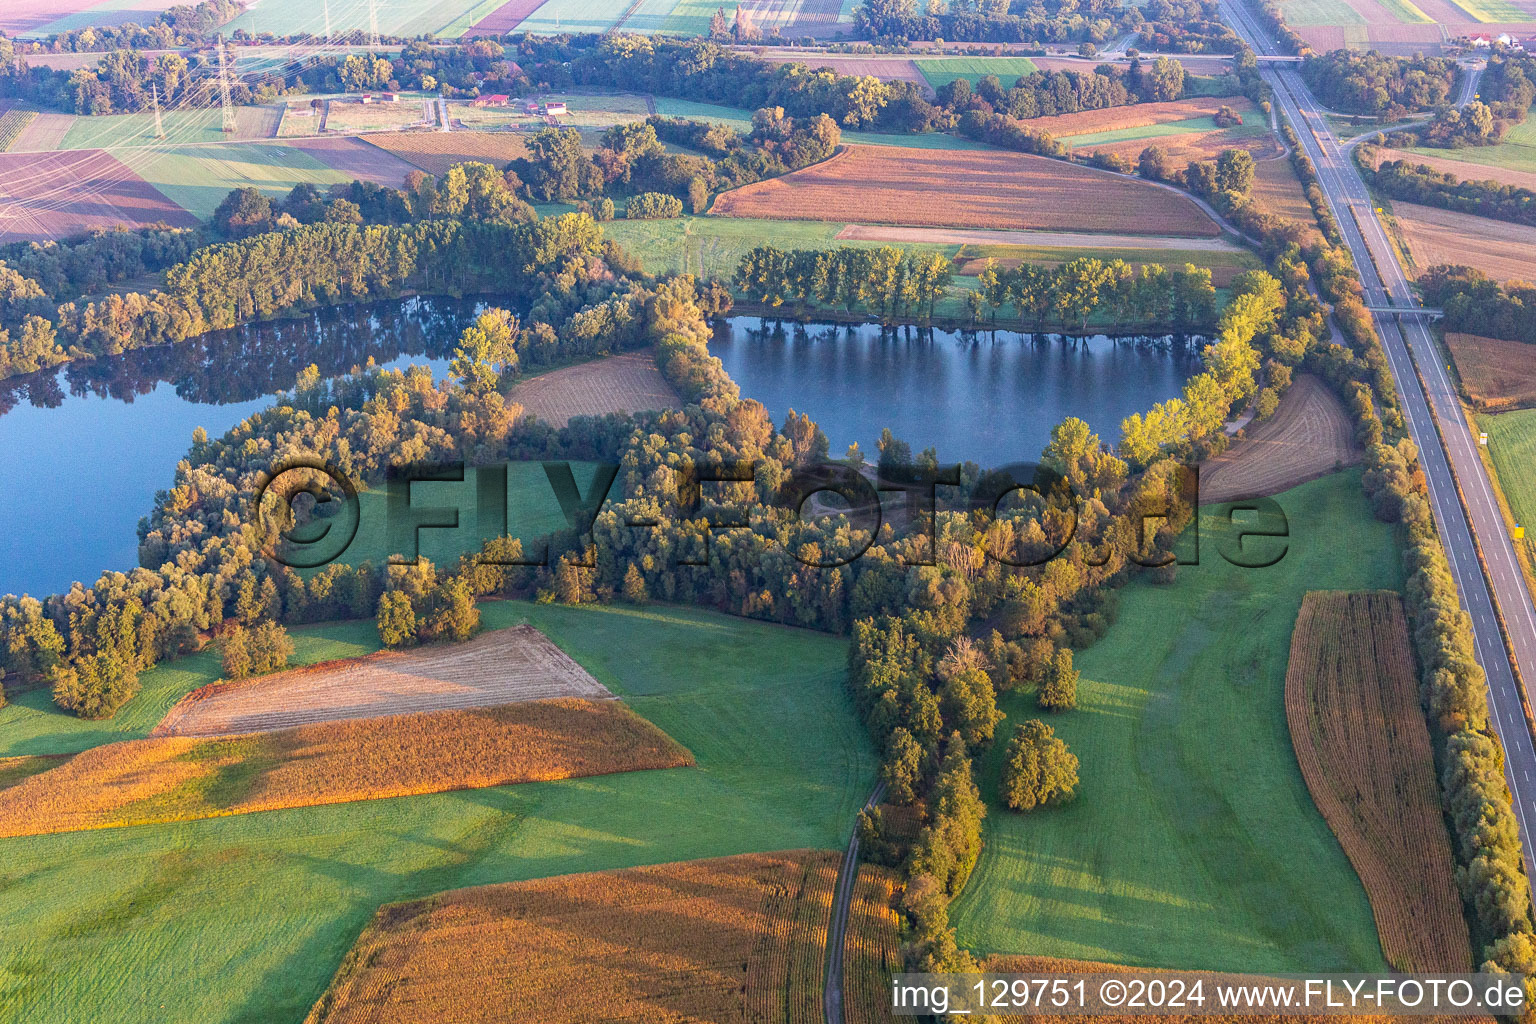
(246, 918)
(1193, 842)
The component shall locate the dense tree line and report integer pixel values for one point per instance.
(1187, 26)
(1372, 83)
(996, 21)
(1417, 183)
(884, 281)
(1180, 299)
(91, 263)
(1477, 304)
(631, 160)
(233, 282)
(1046, 93)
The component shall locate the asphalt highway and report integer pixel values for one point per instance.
(1429, 400)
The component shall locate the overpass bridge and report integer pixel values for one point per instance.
(1430, 311)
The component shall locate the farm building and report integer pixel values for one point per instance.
(495, 99)
(553, 109)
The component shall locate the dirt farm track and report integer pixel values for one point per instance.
(499, 667)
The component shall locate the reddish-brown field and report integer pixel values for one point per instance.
(1278, 191)
(504, 18)
(1497, 248)
(180, 778)
(435, 152)
(1053, 966)
(45, 134)
(1351, 700)
(18, 16)
(498, 667)
(1462, 169)
(1137, 114)
(1498, 374)
(628, 382)
(54, 195)
(1188, 147)
(729, 941)
(990, 189)
(355, 157)
(1308, 436)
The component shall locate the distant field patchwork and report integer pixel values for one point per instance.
(444, 18)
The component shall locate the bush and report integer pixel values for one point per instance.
(396, 620)
(256, 651)
(654, 206)
(1058, 687)
(95, 686)
(1038, 771)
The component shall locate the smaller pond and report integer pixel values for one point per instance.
(84, 449)
(985, 397)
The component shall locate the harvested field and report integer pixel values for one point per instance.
(1089, 122)
(628, 382)
(357, 159)
(887, 69)
(435, 152)
(1351, 699)
(56, 195)
(1278, 191)
(355, 116)
(734, 939)
(1189, 147)
(18, 17)
(1308, 436)
(1499, 249)
(871, 948)
(504, 18)
(12, 124)
(44, 134)
(1055, 965)
(891, 185)
(817, 18)
(1463, 169)
(183, 778)
(1498, 375)
(499, 667)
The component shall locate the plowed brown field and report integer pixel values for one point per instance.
(628, 382)
(435, 152)
(182, 778)
(1135, 115)
(982, 188)
(495, 668)
(1498, 374)
(1497, 248)
(1307, 437)
(55, 195)
(1351, 699)
(736, 939)
(1278, 191)
(1463, 169)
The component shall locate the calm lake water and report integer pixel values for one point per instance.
(978, 397)
(83, 450)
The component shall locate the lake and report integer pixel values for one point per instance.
(980, 397)
(84, 449)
